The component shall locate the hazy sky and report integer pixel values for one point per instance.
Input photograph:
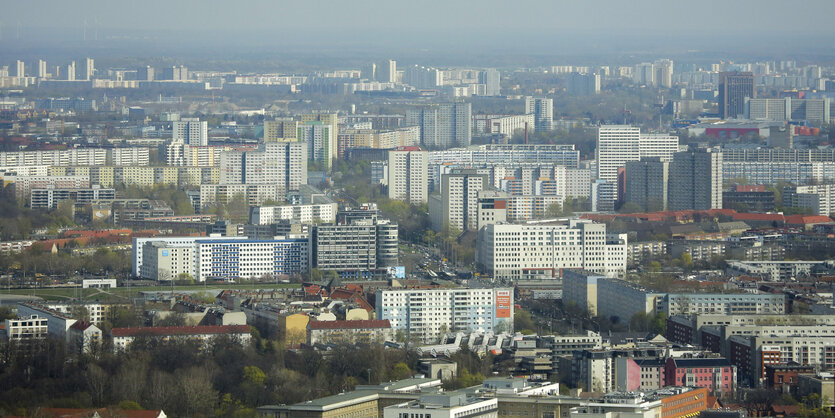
(544, 26)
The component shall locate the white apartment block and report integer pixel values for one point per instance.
(787, 108)
(427, 314)
(505, 125)
(23, 185)
(190, 131)
(31, 327)
(254, 194)
(165, 262)
(728, 304)
(282, 164)
(139, 246)
(531, 250)
(443, 126)
(320, 140)
(77, 157)
(268, 215)
(227, 259)
(232, 259)
(819, 198)
(528, 208)
(445, 405)
(408, 176)
(508, 154)
(543, 111)
(617, 144)
(457, 205)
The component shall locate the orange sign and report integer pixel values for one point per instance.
(503, 303)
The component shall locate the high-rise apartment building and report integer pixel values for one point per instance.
(517, 251)
(20, 69)
(646, 183)
(457, 204)
(319, 139)
(322, 142)
(408, 177)
(421, 77)
(443, 126)
(42, 69)
(543, 111)
(663, 69)
(696, 180)
(734, 87)
(69, 74)
(283, 165)
(86, 70)
(356, 247)
(617, 144)
(427, 314)
(787, 108)
(491, 78)
(584, 84)
(190, 131)
(281, 130)
(387, 72)
(145, 73)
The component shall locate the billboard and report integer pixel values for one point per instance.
(504, 303)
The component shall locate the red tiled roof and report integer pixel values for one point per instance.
(196, 330)
(103, 412)
(81, 325)
(807, 219)
(371, 323)
(764, 217)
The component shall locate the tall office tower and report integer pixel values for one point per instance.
(733, 89)
(41, 69)
(145, 73)
(583, 84)
(330, 119)
(70, 74)
(190, 131)
(281, 164)
(369, 72)
(663, 73)
(20, 69)
(86, 70)
(457, 204)
(617, 144)
(387, 72)
(696, 180)
(644, 73)
(423, 77)
(443, 126)
(280, 130)
(492, 79)
(408, 175)
(543, 111)
(319, 139)
(646, 183)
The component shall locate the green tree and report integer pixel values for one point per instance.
(129, 406)
(522, 320)
(253, 374)
(401, 371)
